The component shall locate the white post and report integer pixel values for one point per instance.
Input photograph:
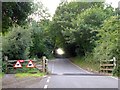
(114, 62)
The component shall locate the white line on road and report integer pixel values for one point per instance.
(46, 86)
(49, 77)
(52, 67)
(113, 77)
(60, 74)
(45, 76)
(48, 80)
(90, 72)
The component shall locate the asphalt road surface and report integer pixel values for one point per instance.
(64, 74)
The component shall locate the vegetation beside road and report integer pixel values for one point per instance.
(22, 75)
(87, 63)
(30, 72)
(1, 74)
(89, 30)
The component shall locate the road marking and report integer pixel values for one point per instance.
(59, 73)
(113, 77)
(46, 86)
(52, 67)
(45, 76)
(49, 77)
(48, 80)
(90, 72)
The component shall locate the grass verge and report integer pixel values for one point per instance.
(86, 63)
(1, 74)
(32, 72)
(22, 75)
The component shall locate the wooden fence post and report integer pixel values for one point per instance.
(6, 60)
(44, 64)
(114, 62)
(107, 66)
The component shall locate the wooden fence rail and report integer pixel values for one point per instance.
(40, 64)
(107, 66)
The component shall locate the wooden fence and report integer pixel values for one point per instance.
(107, 66)
(40, 64)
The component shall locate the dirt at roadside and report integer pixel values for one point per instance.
(11, 81)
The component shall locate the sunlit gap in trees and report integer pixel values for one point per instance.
(60, 51)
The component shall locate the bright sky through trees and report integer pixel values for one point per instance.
(52, 5)
(60, 51)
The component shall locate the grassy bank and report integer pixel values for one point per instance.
(86, 63)
(22, 75)
(33, 72)
(1, 74)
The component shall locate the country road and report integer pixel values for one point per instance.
(64, 74)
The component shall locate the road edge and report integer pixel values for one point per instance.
(88, 71)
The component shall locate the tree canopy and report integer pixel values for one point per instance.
(15, 13)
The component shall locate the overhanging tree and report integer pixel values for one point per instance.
(15, 13)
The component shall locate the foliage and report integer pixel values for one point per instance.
(75, 25)
(86, 28)
(4, 67)
(42, 44)
(23, 41)
(39, 12)
(108, 45)
(1, 75)
(0, 49)
(25, 11)
(87, 62)
(38, 47)
(16, 43)
(15, 13)
(63, 25)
